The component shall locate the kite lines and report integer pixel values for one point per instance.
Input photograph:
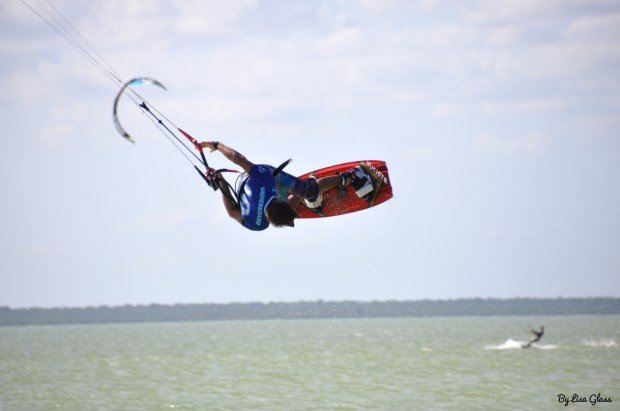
(181, 140)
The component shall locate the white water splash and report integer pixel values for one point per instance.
(600, 343)
(545, 346)
(511, 344)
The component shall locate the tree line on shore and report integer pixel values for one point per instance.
(310, 310)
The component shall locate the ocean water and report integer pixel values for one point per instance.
(392, 364)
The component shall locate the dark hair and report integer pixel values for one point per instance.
(281, 214)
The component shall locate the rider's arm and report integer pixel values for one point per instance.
(231, 154)
(231, 207)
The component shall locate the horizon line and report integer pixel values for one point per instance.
(84, 307)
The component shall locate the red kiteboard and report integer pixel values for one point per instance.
(343, 200)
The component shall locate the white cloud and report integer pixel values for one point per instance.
(595, 28)
(376, 6)
(556, 62)
(15, 10)
(67, 122)
(48, 81)
(533, 142)
(341, 41)
(163, 21)
(524, 108)
(447, 110)
(330, 64)
(491, 12)
(503, 35)
(211, 17)
(34, 85)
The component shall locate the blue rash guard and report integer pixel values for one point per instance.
(255, 193)
(258, 187)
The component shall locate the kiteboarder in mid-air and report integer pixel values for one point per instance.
(267, 195)
(537, 336)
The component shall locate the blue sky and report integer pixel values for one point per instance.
(499, 122)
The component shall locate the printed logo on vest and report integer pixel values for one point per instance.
(261, 204)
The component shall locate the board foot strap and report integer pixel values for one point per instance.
(376, 184)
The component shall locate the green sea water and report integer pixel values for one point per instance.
(379, 364)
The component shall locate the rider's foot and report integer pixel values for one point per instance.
(316, 205)
(358, 179)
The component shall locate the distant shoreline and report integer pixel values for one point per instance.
(310, 310)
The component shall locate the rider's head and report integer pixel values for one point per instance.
(281, 214)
